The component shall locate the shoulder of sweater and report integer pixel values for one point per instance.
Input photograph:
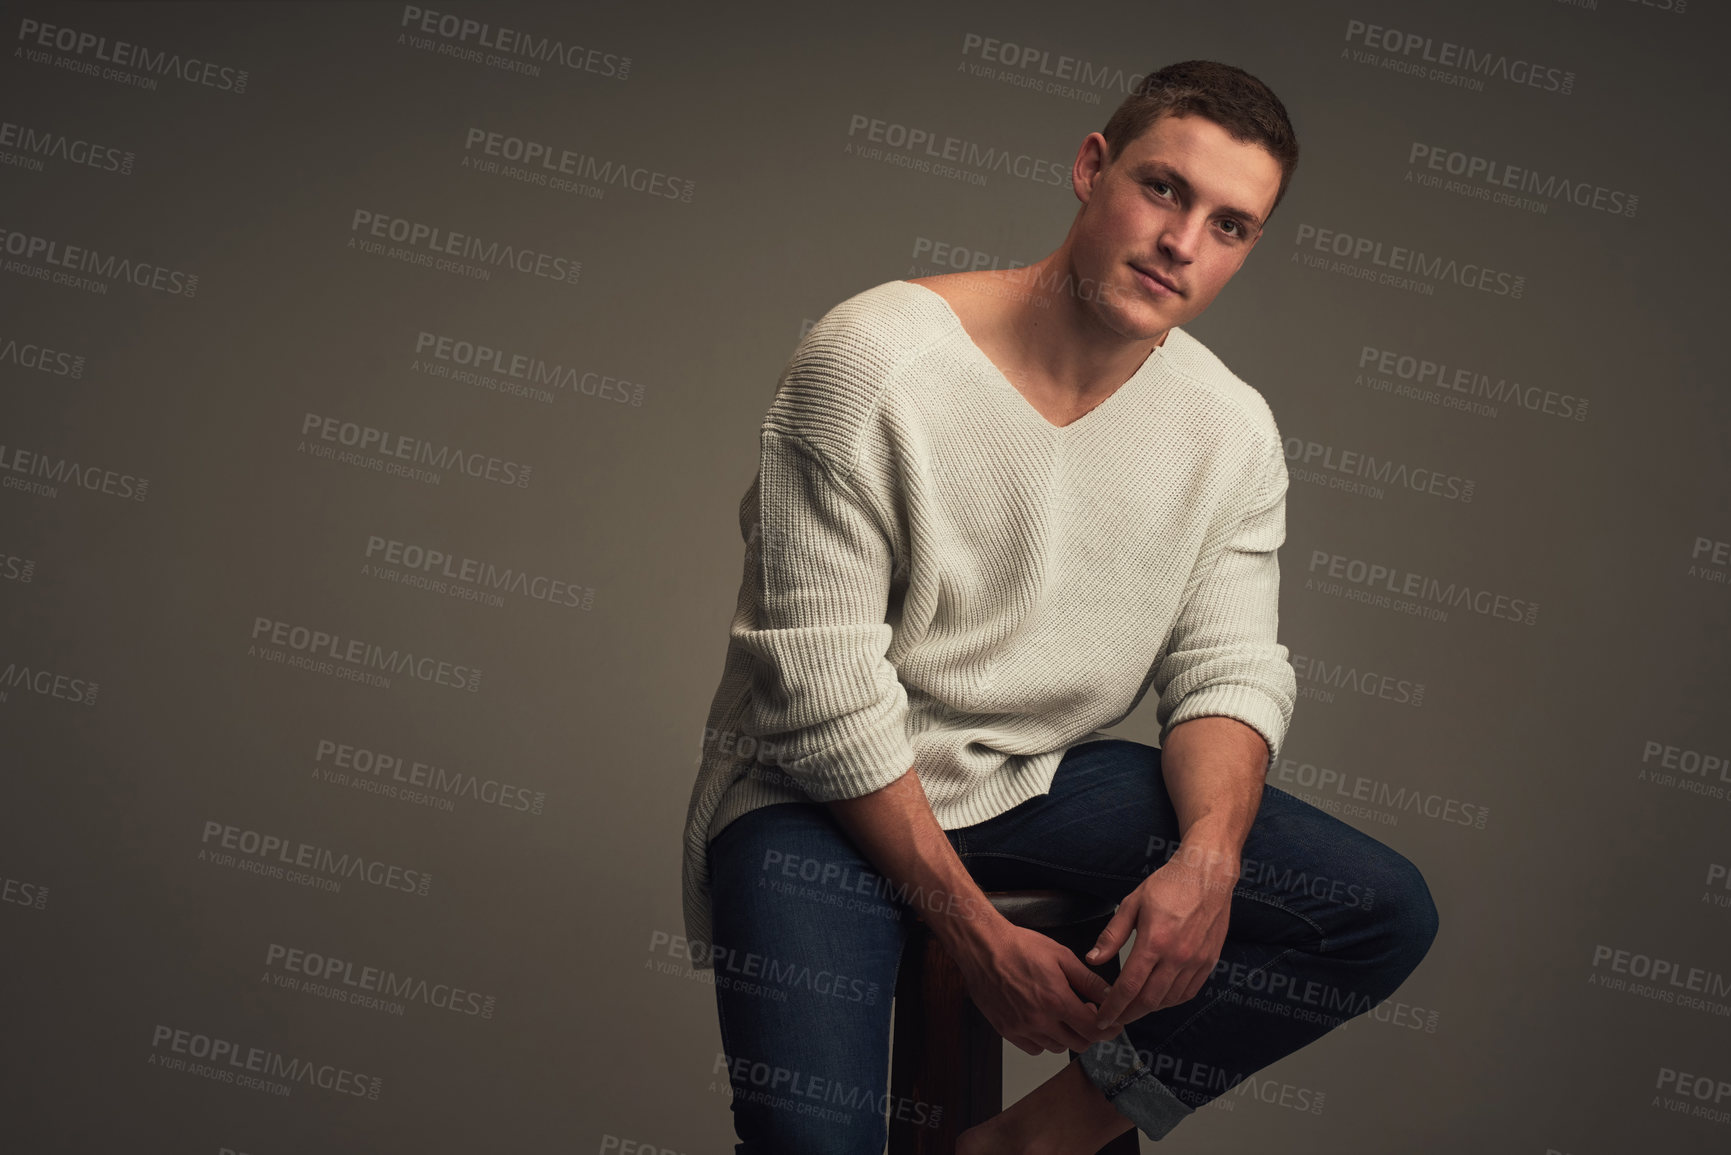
(1197, 362)
(842, 369)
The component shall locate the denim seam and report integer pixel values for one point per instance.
(1117, 1085)
(1114, 1087)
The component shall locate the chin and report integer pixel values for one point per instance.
(1141, 318)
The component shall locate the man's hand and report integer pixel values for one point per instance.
(1029, 987)
(1179, 914)
(1032, 988)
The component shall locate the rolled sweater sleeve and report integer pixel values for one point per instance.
(816, 629)
(1223, 657)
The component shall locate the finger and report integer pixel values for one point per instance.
(1186, 981)
(1180, 985)
(1162, 982)
(1076, 1040)
(1081, 1023)
(1117, 929)
(1070, 1029)
(1194, 986)
(1049, 1043)
(1143, 960)
(1074, 1019)
(1083, 981)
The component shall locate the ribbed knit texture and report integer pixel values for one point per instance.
(937, 577)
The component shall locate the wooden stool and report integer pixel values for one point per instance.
(946, 1054)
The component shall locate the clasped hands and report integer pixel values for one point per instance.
(1037, 994)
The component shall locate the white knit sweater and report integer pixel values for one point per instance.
(937, 577)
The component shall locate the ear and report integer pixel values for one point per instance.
(1090, 163)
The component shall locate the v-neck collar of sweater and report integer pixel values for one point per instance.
(1135, 384)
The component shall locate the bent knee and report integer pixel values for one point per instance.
(1409, 912)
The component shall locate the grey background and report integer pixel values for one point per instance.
(114, 925)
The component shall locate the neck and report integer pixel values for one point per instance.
(1060, 325)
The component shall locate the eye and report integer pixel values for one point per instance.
(1157, 184)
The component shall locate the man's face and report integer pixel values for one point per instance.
(1183, 202)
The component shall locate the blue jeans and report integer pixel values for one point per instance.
(1326, 922)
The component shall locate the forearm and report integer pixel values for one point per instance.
(896, 830)
(1214, 768)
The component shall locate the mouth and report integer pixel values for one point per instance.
(1155, 282)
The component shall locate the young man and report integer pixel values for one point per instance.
(992, 509)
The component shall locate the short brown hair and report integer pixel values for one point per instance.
(1232, 98)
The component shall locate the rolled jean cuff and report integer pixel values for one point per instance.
(1128, 1084)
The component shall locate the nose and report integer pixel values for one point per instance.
(1182, 235)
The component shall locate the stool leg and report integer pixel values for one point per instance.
(947, 1063)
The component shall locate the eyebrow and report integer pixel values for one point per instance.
(1175, 178)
